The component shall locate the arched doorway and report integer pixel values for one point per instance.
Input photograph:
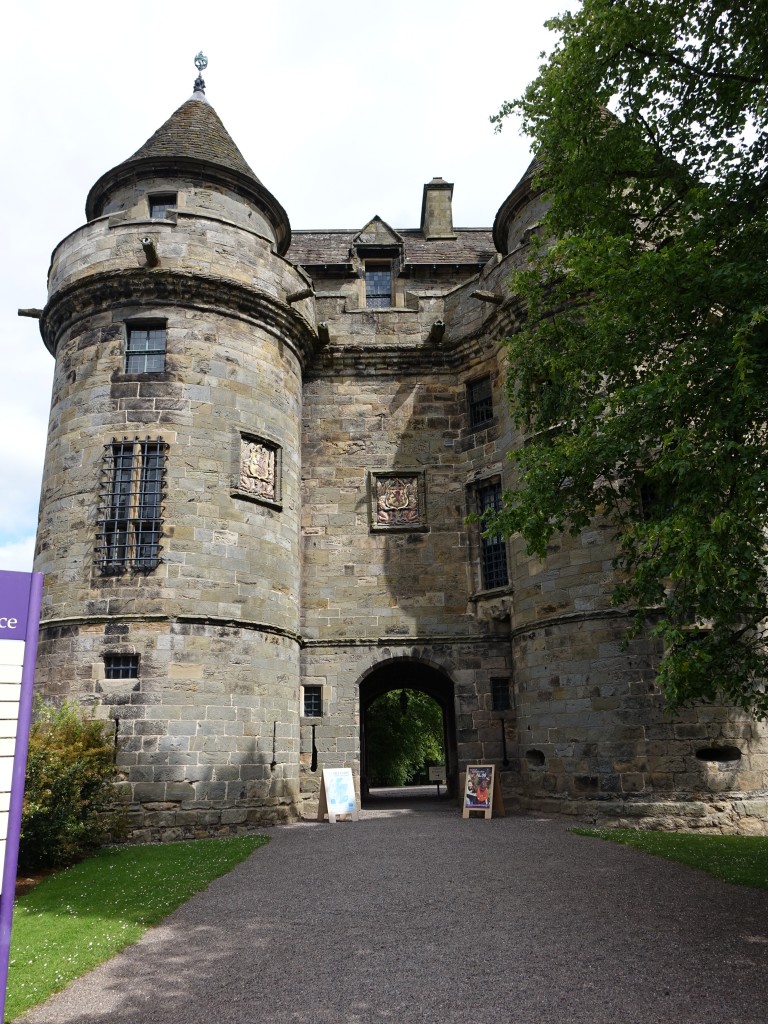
(411, 674)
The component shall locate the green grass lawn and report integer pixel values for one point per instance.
(742, 860)
(82, 916)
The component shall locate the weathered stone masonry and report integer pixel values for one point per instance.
(320, 455)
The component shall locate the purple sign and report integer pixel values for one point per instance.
(20, 597)
(15, 589)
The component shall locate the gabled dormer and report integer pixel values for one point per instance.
(378, 254)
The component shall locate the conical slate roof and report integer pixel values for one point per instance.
(194, 142)
(195, 130)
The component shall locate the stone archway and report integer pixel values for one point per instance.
(412, 674)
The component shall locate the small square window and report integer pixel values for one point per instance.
(145, 348)
(500, 694)
(121, 666)
(159, 205)
(378, 285)
(480, 402)
(313, 702)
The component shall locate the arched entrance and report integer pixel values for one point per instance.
(410, 674)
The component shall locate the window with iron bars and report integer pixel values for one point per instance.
(145, 348)
(130, 520)
(480, 402)
(493, 550)
(121, 666)
(500, 694)
(313, 702)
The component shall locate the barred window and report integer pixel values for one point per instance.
(160, 204)
(500, 694)
(493, 549)
(313, 705)
(145, 348)
(480, 401)
(121, 666)
(130, 524)
(378, 285)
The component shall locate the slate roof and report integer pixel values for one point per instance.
(193, 138)
(471, 246)
(195, 130)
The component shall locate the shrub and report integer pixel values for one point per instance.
(70, 766)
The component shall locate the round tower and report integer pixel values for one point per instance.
(593, 735)
(169, 521)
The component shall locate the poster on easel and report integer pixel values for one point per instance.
(337, 795)
(482, 791)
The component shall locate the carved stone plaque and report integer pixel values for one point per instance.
(396, 501)
(257, 469)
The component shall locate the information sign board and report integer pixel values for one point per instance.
(20, 595)
(337, 794)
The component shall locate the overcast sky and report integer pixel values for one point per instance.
(343, 108)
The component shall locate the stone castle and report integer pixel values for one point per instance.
(263, 449)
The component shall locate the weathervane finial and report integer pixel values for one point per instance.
(201, 63)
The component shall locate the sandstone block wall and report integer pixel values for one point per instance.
(207, 734)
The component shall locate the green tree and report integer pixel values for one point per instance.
(402, 734)
(640, 371)
(70, 768)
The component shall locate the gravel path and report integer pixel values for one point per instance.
(419, 916)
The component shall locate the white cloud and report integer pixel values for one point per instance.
(18, 555)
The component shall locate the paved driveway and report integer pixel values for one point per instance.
(419, 916)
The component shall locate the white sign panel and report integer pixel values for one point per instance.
(11, 664)
(337, 793)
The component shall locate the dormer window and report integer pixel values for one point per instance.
(378, 284)
(160, 204)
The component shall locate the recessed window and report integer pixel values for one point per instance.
(313, 702)
(493, 549)
(479, 401)
(159, 205)
(121, 666)
(500, 694)
(378, 285)
(130, 521)
(145, 348)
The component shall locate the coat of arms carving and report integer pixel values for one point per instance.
(397, 501)
(257, 469)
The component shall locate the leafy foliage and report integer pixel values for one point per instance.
(402, 734)
(741, 860)
(640, 370)
(81, 917)
(69, 769)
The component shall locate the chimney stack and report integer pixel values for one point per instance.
(436, 213)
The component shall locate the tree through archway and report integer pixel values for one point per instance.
(404, 737)
(399, 734)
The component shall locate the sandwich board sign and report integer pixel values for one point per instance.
(337, 794)
(437, 775)
(482, 791)
(20, 596)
